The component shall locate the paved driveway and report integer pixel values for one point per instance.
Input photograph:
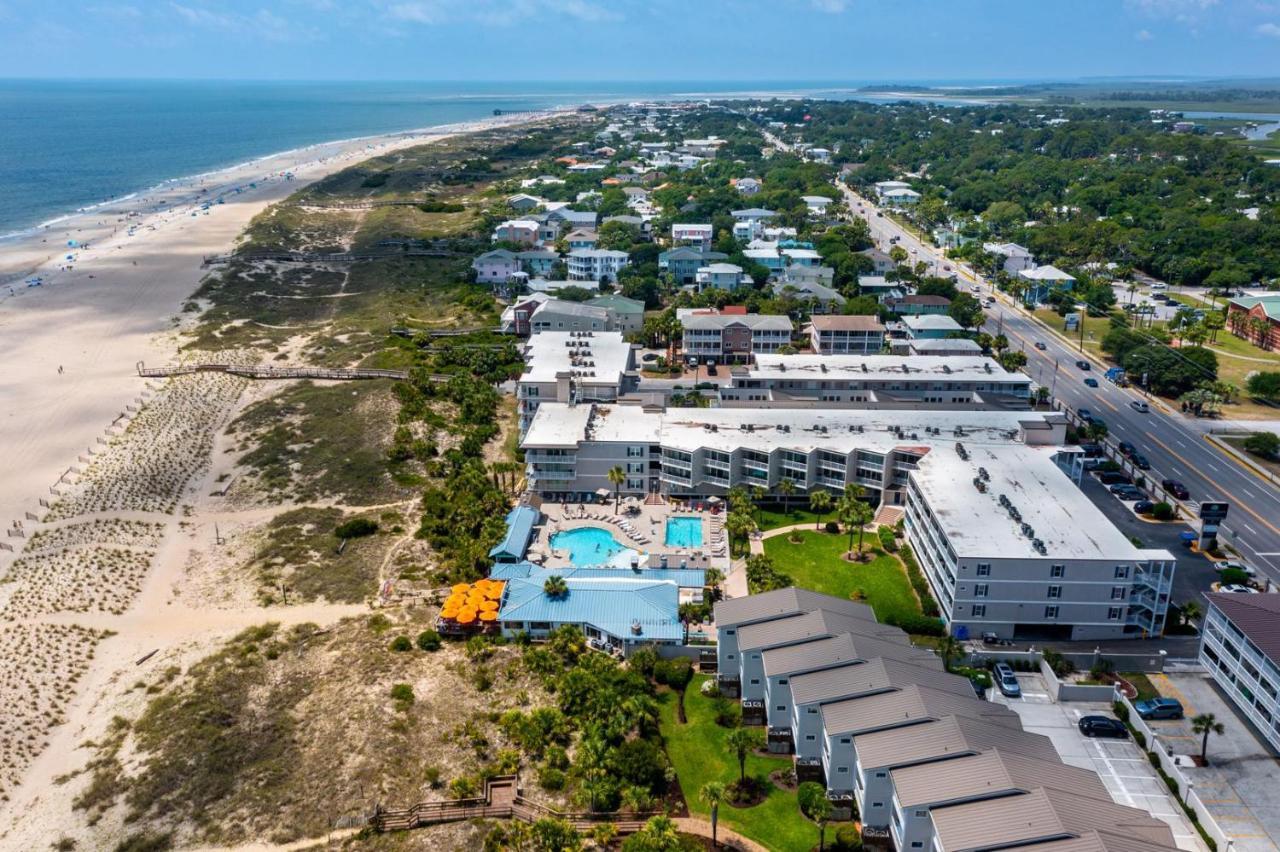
(1124, 769)
(1239, 784)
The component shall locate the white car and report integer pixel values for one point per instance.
(1235, 566)
(1238, 589)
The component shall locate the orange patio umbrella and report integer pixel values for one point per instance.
(489, 606)
(458, 588)
(466, 616)
(489, 616)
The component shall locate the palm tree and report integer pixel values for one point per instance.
(819, 503)
(816, 806)
(659, 835)
(854, 513)
(786, 488)
(741, 741)
(948, 648)
(617, 476)
(1190, 612)
(555, 587)
(711, 795)
(1206, 724)
(758, 493)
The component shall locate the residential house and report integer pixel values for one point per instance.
(882, 289)
(563, 315)
(818, 155)
(596, 264)
(929, 326)
(1256, 319)
(523, 203)
(731, 337)
(747, 186)
(770, 258)
(756, 213)
(917, 305)
(748, 230)
(801, 257)
(880, 261)
(537, 261)
(821, 298)
(522, 232)
(1015, 258)
(817, 204)
(900, 198)
(947, 347)
(573, 218)
(627, 314)
(1041, 281)
(496, 267)
(839, 334)
(582, 238)
(721, 276)
(684, 262)
(884, 187)
(698, 236)
(517, 318)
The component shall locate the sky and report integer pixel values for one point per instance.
(851, 41)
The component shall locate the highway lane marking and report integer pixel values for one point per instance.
(1250, 493)
(1179, 442)
(1249, 528)
(1236, 500)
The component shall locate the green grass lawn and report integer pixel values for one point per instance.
(772, 517)
(698, 753)
(816, 563)
(1143, 684)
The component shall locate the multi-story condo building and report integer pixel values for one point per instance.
(839, 334)
(1240, 648)
(573, 367)
(563, 315)
(728, 338)
(876, 381)
(596, 264)
(1010, 546)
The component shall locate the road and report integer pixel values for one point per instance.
(1175, 447)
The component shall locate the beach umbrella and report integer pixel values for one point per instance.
(489, 606)
(489, 616)
(466, 616)
(449, 613)
(460, 587)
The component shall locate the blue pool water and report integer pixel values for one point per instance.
(684, 532)
(592, 546)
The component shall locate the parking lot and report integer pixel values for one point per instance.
(1239, 784)
(1124, 769)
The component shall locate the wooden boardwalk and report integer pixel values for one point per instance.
(501, 800)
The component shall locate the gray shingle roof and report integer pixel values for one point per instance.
(817, 624)
(879, 675)
(854, 646)
(950, 736)
(1257, 615)
(752, 321)
(913, 704)
(988, 775)
(1097, 841)
(780, 603)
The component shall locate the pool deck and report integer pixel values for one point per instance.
(643, 529)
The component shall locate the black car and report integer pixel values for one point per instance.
(1083, 364)
(1102, 726)
(1127, 492)
(1114, 477)
(1176, 488)
(1140, 461)
(1091, 451)
(1143, 507)
(1127, 449)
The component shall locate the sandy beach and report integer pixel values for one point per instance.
(70, 348)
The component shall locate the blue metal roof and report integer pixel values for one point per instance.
(685, 578)
(612, 606)
(520, 523)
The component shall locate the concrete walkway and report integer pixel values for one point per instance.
(724, 834)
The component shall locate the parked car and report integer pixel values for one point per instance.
(1176, 488)
(1238, 589)
(1007, 681)
(1143, 507)
(1126, 449)
(1235, 566)
(1127, 492)
(1040, 345)
(1091, 450)
(1083, 364)
(1159, 708)
(1139, 406)
(1091, 382)
(1140, 461)
(1103, 726)
(711, 369)
(1085, 414)
(1113, 477)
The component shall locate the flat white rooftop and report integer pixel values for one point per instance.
(906, 368)
(838, 430)
(1057, 511)
(596, 357)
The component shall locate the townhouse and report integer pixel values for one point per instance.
(1013, 257)
(731, 337)
(696, 235)
(596, 264)
(684, 262)
(840, 334)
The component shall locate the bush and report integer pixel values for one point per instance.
(401, 644)
(1162, 511)
(550, 778)
(919, 624)
(888, 540)
(832, 527)
(356, 528)
(429, 640)
(402, 693)
(727, 713)
(674, 673)
(1264, 444)
(1121, 710)
(847, 839)
(928, 605)
(1232, 576)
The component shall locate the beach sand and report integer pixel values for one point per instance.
(70, 349)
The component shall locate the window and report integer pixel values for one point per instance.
(1122, 571)
(842, 770)
(980, 590)
(635, 452)
(1117, 593)
(812, 711)
(755, 681)
(978, 611)
(1051, 612)
(1113, 613)
(881, 775)
(845, 740)
(782, 707)
(810, 737)
(984, 569)
(1057, 570)
(916, 844)
(782, 681)
(1055, 592)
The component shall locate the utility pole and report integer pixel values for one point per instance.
(1082, 316)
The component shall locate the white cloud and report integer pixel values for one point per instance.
(262, 24)
(1268, 29)
(1143, 35)
(1177, 9)
(495, 12)
(832, 7)
(419, 12)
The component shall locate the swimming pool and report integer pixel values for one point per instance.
(592, 546)
(684, 532)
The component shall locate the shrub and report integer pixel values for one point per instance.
(1264, 444)
(402, 693)
(550, 778)
(888, 540)
(463, 788)
(1162, 511)
(1232, 576)
(918, 624)
(429, 640)
(928, 605)
(727, 713)
(401, 644)
(356, 528)
(847, 838)
(1121, 710)
(831, 527)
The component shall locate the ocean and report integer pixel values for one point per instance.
(67, 145)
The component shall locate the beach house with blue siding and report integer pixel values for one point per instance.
(616, 614)
(520, 523)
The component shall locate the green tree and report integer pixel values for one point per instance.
(966, 311)
(819, 503)
(712, 794)
(617, 476)
(741, 741)
(555, 835)
(1264, 444)
(854, 514)
(555, 587)
(949, 648)
(1204, 725)
(658, 835)
(814, 804)
(1264, 385)
(786, 488)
